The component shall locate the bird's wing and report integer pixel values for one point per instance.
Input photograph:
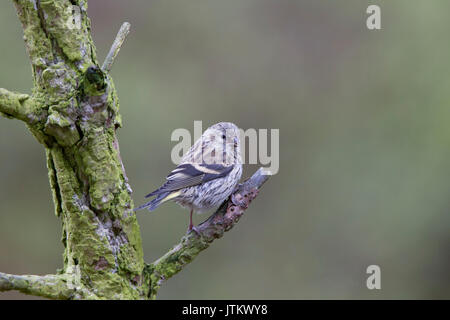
(191, 174)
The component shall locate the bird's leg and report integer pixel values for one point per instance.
(190, 221)
(191, 225)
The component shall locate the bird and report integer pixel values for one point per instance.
(207, 174)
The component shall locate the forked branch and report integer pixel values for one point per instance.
(74, 113)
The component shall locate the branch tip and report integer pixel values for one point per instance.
(115, 48)
(49, 286)
(16, 105)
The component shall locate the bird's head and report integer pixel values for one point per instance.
(219, 143)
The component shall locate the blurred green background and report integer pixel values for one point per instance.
(364, 142)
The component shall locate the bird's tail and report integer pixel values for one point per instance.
(160, 199)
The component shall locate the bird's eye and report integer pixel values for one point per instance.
(223, 136)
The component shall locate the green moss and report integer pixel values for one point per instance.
(53, 182)
(36, 40)
(62, 25)
(113, 103)
(101, 167)
(62, 129)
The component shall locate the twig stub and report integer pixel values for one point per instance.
(115, 48)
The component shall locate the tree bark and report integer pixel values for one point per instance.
(73, 112)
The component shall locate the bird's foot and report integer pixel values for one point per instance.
(193, 228)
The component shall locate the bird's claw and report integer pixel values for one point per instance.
(195, 229)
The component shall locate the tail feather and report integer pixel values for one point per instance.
(153, 204)
(160, 190)
(152, 193)
(160, 199)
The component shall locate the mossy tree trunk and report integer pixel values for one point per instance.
(73, 112)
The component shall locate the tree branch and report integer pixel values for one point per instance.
(204, 234)
(115, 48)
(49, 286)
(16, 105)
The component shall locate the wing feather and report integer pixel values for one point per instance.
(191, 174)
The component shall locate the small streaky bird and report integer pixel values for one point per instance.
(207, 174)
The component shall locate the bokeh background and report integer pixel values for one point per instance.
(364, 142)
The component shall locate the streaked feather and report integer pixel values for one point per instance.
(188, 175)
